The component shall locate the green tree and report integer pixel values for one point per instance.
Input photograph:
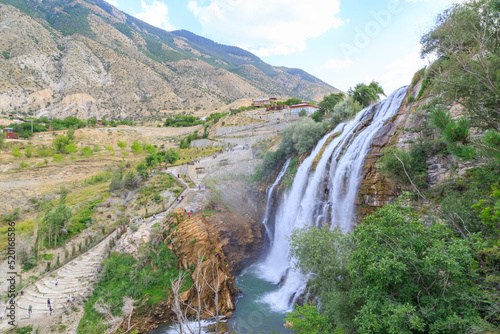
(292, 101)
(171, 156)
(345, 110)
(136, 147)
(366, 94)
(326, 253)
(86, 151)
(70, 148)
(412, 276)
(60, 143)
(55, 222)
(329, 102)
(71, 134)
(307, 319)
(301, 136)
(302, 113)
(317, 117)
(466, 41)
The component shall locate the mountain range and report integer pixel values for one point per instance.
(87, 58)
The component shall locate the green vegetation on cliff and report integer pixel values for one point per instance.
(147, 280)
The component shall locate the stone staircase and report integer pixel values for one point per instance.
(75, 279)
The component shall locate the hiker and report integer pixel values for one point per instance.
(182, 197)
(50, 310)
(144, 219)
(199, 187)
(68, 299)
(48, 302)
(191, 211)
(154, 216)
(56, 282)
(29, 311)
(178, 176)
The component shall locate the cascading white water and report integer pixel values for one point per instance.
(305, 205)
(269, 192)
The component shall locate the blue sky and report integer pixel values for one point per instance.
(341, 42)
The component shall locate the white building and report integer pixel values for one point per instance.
(309, 108)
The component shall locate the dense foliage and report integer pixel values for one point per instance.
(182, 121)
(345, 110)
(296, 139)
(147, 280)
(366, 94)
(329, 102)
(399, 274)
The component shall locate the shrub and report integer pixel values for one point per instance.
(414, 161)
(86, 151)
(136, 147)
(28, 151)
(16, 152)
(121, 144)
(345, 110)
(70, 148)
(57, 158)
(301, 137)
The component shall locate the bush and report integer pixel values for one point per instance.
(60, 143)
(16, 152)
(28, 151)
(345, 110)
(136, 147)
(86, 151)
(414, 161)
(301, 137)
(121, 144)
(57, 158)
(70, 148)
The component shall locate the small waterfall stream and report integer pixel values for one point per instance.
(305, 204)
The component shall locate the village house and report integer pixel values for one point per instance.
(309, 108)
(264, 102)
(9, 133)
(278, 108)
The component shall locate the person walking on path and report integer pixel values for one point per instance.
(48, 302)
(30, 309)
(50, 310)
(68, 299)
(56, 282)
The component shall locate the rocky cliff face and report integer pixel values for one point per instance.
(86, 58)
(408, 126)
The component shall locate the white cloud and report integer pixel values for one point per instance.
(267, 27)
(401, 71)
(338, 64)
(155, 14)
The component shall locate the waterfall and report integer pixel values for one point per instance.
(269, 192)
(305, 204)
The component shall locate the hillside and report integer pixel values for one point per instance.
(86, 58)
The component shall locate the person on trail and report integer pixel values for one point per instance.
(56, 282)
(29, 311)
(199, 187)
(50, 310)
(68, 299)
(191, 212)
(48, 302)
(154, 216)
